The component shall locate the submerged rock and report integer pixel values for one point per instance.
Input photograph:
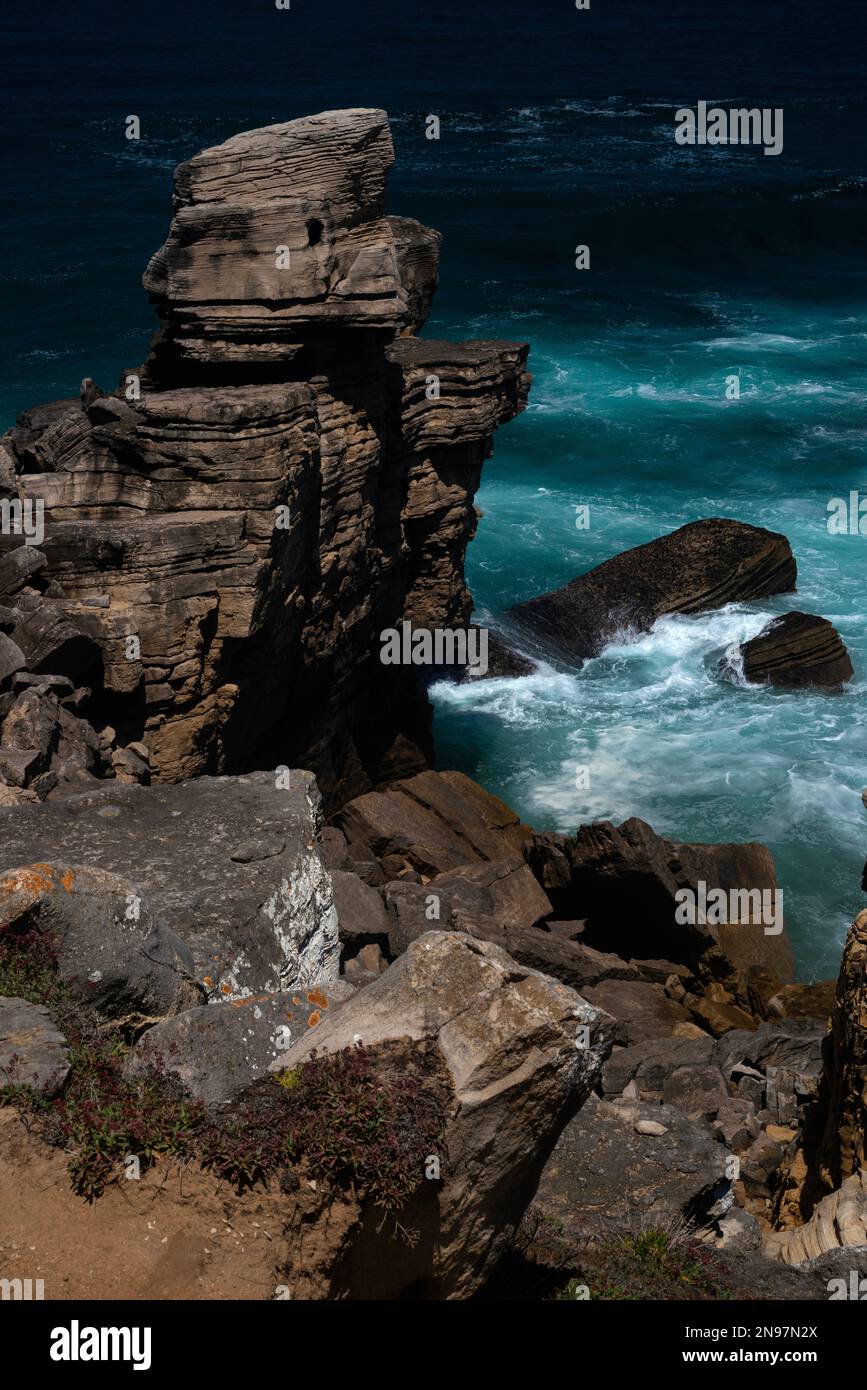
(702, 565)
(798, 649)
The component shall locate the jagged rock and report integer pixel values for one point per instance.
(361, 914)
(365, 967)
(839, 1220)
(842, 1147)
(53, 644)
(650, 1062)
(702, 565)
(844, 1271)
(285, 487)
(720, 1015)
(603, 1171)
(759, 1164)
(12, 658)
(437, 821)
(33, 1052)
(61, 686)
(129, 767)
(217, 1050)
(798, 649)
(508, 1040)
(736, 1124)
(813, 1001)
(110, 947)
(315, 186)
(700, 1092)
(624, 881)
(18, 766)
(17, 566)
(252, 928)
(791, 1044)
(33, 723)
(495, 898)
(642, 1010)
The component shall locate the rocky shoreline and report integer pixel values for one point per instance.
(232, 875)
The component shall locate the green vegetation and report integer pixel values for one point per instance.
(355, 1118)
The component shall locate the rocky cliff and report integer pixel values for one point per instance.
(291, 472)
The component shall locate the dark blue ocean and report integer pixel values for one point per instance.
(557, 130)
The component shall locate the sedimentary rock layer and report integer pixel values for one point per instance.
(283, 480)
(798, 649)
(703, 565)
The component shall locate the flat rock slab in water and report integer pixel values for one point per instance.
(798, 649)
(700, 566)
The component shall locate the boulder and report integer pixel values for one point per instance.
(651, 1062)
(625, 880)
(218, 1050)
(361, 914)
(32, 1051)
(508, 1038)
(703, 565)
(109, 946)
(436, 821)
(612, 1163)
(17, 567)
(700, 1092)
(12, 658)
(798, 649)
(253, 927)
(486, 899)
(736, 1124)
(642, 1010)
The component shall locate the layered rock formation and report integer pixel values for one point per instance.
(842, 1149)
(798, 649)
(290, 474)
(700, 566)
(517, 1064)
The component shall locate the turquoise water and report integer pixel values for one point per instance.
(557, 130)
(634, 423)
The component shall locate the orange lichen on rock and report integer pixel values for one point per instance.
(36, 879)
(313, 1019)
(317, 997)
